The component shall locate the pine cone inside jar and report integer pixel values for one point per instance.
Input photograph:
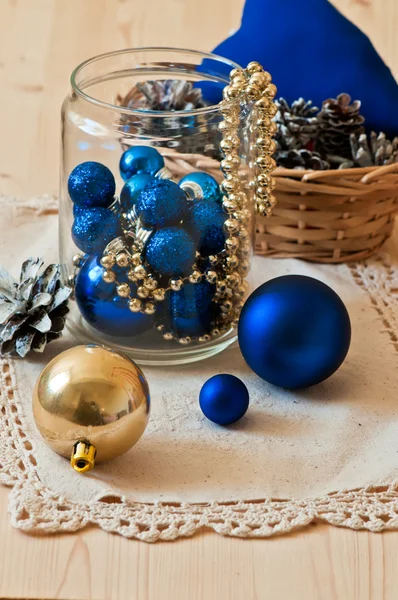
(377, 150)
(187, 134)
(301, 160)
(338, 120)
(297, 124)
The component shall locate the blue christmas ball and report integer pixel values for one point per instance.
(138, 160)
(210, 187)
(94, 228)
(206, 223)
(191, 310)
(100, 305)
(161, 203)
(294, 331)
(171, 252)
(91, 184)
(224, 399)
(132, 189)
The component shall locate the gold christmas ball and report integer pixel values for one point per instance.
(91, 404)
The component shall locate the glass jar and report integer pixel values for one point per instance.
(158, 257)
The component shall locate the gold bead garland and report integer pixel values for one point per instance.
(251, 86)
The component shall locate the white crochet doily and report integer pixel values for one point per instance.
(326, 454)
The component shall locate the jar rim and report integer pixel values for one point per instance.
(140, 111)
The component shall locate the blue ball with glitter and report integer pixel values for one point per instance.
(224, 399)
(100, 305)
(161, 203)
(294, 331)
(91, 185)
(140, 159)
(211, 189)
(94, 228)
(132, 189)
(171, 252)
(206, 223)
(191, 310)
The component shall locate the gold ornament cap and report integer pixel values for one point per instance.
(83, 457)
(91, 404)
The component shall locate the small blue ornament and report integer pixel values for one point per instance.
(206, 223)
(132, 189)
(191, 310)
(138, 160)
(294, 331)
(91, 184)
(100, 305)
(94, 228)
(171, 252)
(161, 203)
(224, 399)
(210, 187)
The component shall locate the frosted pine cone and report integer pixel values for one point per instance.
(297, 124)
(33, 310)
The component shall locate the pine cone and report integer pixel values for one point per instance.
(202, 135)
(297, 124)
(338, 119)
(301, 159)
(32, 312)
(376, 151)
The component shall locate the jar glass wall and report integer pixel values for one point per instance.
(158, 255)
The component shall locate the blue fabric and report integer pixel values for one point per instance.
(314, 52)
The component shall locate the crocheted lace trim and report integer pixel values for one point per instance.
(34, 507)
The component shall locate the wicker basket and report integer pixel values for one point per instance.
(321, 216)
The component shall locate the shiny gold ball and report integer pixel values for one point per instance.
(123, 259)
(92, 404)
(107, 261)
(123, 290)
(109, 276)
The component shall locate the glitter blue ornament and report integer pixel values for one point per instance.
(100, 305)
(190, 310)
(206, 223)
(161, 203)
(94, 228)
(224, 399)
(171, 252)
(132, 189)
(294, 331)
(211, 189)
(138, 160)
(91, 184)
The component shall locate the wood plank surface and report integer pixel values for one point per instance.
(40, 42)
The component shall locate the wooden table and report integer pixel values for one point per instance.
(40, 42)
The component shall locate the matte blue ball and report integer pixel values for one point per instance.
(191, 310)
(161, 203)
(294, 331)
(171, 252)
(138, 160)
(210, 187)
(224, 399)
(206, 223)
(100, 305)
(132, 189)
(94, 228)
(91, 184)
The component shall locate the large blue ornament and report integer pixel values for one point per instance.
(91, 184)
(224, 399)
(206, 223)
(211, 189)
(94, 228)
(100, 305)
(171, 252)
(138, 160)
(294, 331)
(161, 203)
(132, 189)
(191, 310)
(311, 28)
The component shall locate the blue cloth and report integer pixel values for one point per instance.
(314, 52)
